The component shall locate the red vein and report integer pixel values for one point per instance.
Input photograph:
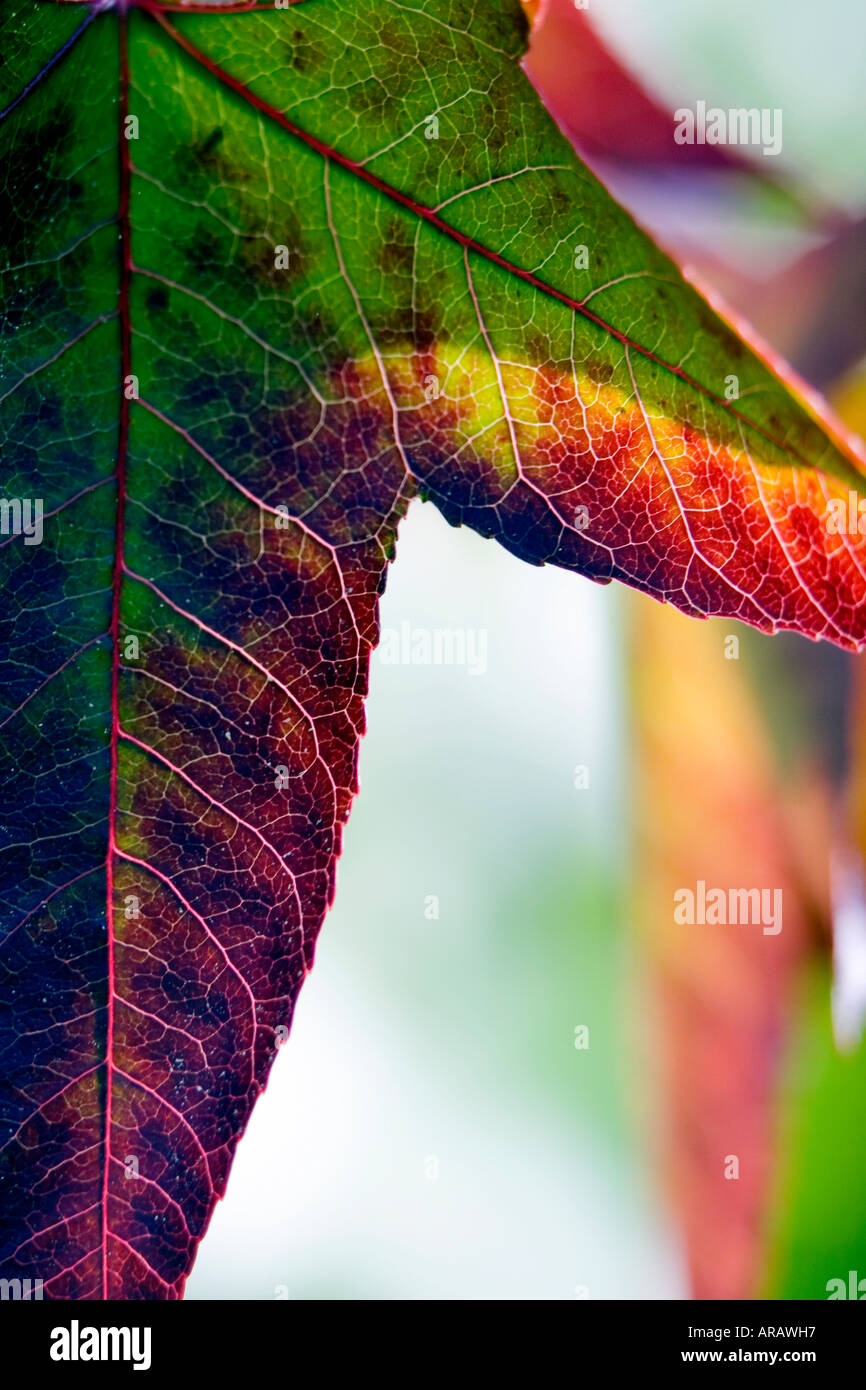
(296, 520)
(67, 1221)
(242, 7)
(123, 443)
(164, 1026)
(43, 1104)
(121, 1240)
(151, 1182)
(469, 243)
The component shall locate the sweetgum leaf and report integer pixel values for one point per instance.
(712, 809)
(269, 274)
(603, 106)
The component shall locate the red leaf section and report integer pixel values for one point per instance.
(230, 749)
(671, 510)
(600, 104)
(233, 739)
(713, 811)
(234, 766)
(713, 533)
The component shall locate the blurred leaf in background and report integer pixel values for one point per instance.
(744, 771)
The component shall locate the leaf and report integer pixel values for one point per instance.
(270, 274)
(816, 1218)
(809, 303)
(818, 1212)
(621, 128)
(746, 775)
(599, 102)
(712, 807)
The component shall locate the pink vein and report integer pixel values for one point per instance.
(247, 656)
(56, 1096)
(148, 1091)
(55, 1225)
(117, 584)
(219, 805)
(163, 878)
(151, 1182)
(264, 506)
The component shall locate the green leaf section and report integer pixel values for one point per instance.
(817, 1223)
(367, 80)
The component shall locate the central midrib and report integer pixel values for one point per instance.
(125, 264)
(469, 243)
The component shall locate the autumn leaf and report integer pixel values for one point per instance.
(269, 275)
(747, 773)
(603, 106)
(712, 807)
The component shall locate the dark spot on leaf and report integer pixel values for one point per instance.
(35, 192)
(303, 53)
(369, 98)
(205, 250)
(174, 986)
(211, 142)
(397, 252)
(495, 138)
(598, 370)
(426, 330)
(157, 298)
